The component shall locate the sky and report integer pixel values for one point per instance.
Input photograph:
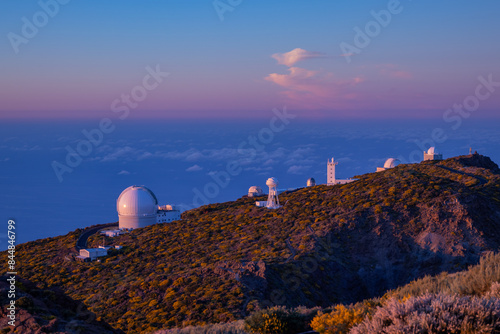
(363, 80)
(229, 59)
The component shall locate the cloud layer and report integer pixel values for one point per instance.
(291, 58)
(194, 168)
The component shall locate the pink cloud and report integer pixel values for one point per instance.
(294, 56)
(370, 86)
(313, 89)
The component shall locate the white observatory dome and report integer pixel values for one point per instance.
(431, 150)
(137, 206)
(255, 191)
(390, 163)
(311, 182)
(272, 182)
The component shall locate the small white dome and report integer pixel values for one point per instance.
(272, 182)
(431, 150)
(137, 201)
(390, 163)
(255, 191)
(311, 182)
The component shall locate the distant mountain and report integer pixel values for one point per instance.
(328, 244)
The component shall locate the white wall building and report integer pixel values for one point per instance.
(167, 214)
(92, 253)
(111, 233)
(331, 180)
(137, 207)
(432, 155)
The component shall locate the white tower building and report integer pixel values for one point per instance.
(331, 172)
(137, 207)
(272, 200)
(331, 180)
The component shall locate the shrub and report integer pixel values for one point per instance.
(494, 291)
(278, 320)
(476, 280)
(235, 327)
(434, 313)
(341, 319)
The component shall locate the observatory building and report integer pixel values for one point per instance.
(255, 191)
(331, 180)
(272, 199)
(137, 207)
(389, 163)
(311, 182)
(432, 155)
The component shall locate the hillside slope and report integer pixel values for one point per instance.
(328, 244)
(47, 311)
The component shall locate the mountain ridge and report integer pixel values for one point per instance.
(328, 244)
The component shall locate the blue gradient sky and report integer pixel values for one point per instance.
(427, 58)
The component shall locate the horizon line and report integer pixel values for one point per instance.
(313, 115)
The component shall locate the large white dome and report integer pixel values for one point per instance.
(137, 201)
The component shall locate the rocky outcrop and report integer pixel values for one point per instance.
(477, 160)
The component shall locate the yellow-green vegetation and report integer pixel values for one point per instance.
(224, 261)
(280, 320)
(342, 318)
